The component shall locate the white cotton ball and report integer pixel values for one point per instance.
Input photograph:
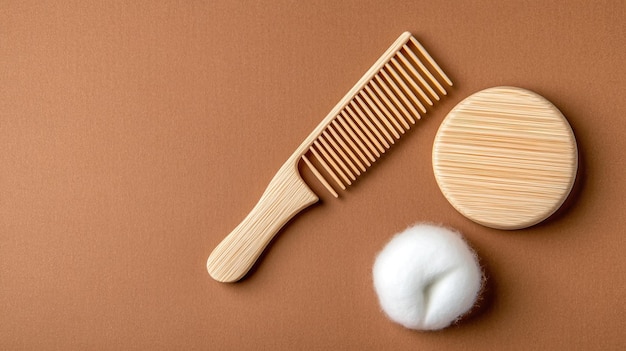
(427, 277)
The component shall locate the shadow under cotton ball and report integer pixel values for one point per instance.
(427, 277)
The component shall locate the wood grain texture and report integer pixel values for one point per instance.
(505, 157)
(285, 196)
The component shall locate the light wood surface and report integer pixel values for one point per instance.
(356, 132)
(284, 197)
(505, 157)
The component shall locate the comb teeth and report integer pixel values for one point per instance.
(376, 112)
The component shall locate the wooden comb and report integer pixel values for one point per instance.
(383, 104)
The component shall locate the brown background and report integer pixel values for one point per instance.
(134, 136)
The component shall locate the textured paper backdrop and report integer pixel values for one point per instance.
(134, 135)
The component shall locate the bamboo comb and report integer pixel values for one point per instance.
(383, 104)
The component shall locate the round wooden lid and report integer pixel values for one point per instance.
(505, 157)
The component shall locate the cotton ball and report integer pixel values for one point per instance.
(427, 277)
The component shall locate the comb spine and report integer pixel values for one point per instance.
(369, 75)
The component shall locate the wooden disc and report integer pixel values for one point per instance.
(505, 157)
